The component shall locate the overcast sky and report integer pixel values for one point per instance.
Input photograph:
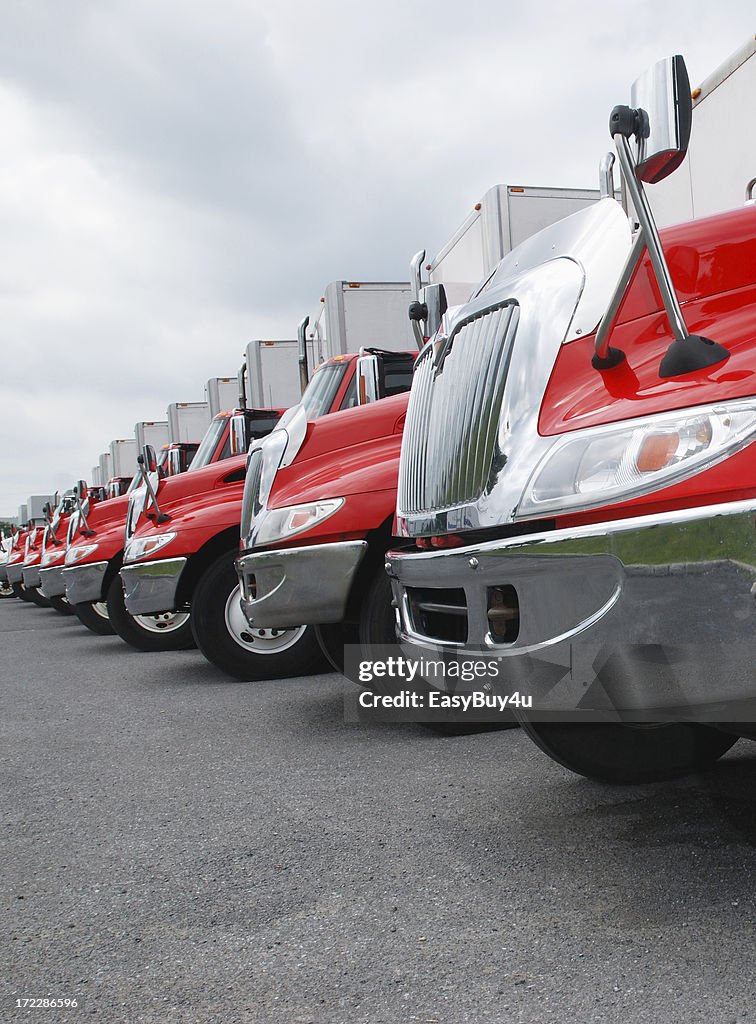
(178, 177)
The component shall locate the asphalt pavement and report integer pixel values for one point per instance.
(181, 847)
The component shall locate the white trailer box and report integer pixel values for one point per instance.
(35, 506)
(362, 314)
(106, 468)
(273, 373)
(123, 454)
(222, 394)
(505, 216)
(23, 515)
(721, 158)
(154, 432)
(187, 422)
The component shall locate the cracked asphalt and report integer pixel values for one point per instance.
(181, 847)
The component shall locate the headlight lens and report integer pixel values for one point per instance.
(53, 555)
(140, 547)
(601, 465)
(79, 553)
(280, 523)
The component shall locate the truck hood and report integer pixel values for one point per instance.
(713, 266)
(344, 453)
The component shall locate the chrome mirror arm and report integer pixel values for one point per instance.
(418, 311)
(688, 352)
(160, 517)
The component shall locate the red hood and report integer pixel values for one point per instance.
(344, 453)
(713, 266)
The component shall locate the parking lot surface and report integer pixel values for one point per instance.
(181, 847)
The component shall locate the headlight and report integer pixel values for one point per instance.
(601, 465)
(54, 555)
(140, 547)
(281, 523)
(79, 553)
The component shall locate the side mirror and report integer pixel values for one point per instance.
(662, 109)
(368, 378)
(80, 490)
(47, 511)
(238, 435)
(148, 459)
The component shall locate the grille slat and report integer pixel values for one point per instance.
(452, 419)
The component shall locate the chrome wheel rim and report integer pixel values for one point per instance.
(163, 622)
(262, 640)
(102, 609)
(6, 589)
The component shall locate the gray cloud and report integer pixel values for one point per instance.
(180, 177)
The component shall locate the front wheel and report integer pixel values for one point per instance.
(630, 754)
(61, 605)
(6, 590)
(227, 640)
(166, 631)
(94, 616)
(37, 597)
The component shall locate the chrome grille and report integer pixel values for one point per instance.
(453, 415)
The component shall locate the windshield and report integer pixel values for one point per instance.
(209, 445)
(321, 391)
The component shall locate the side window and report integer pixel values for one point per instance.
(226, 450)
(349, 401)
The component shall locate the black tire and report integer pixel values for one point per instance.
(630, 754)
(93, 616)
(277, 656)
(333, 637)
(377, 633)
(61, 605)
(20, 592)
(169, 632)
(38, 598)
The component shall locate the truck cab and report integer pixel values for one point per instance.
(576, 492)
(182, 556)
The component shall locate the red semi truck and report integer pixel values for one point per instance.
(188, 560)
(47, 555)
(96, 540)
(578, 474)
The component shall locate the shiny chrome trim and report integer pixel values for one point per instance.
(150, 587)
(14, 572)
(605, 584)
(84, 583)
(304, 372)
(30, 577)
(561, 280)
(292, 586)
(606, 176)
(51, 582)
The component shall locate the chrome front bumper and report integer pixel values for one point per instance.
(51, 582)
(298, 586)
(14, 572)
(150, 587)
(83, 583)
(652, 612)
(30, 577)
(3, 573)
